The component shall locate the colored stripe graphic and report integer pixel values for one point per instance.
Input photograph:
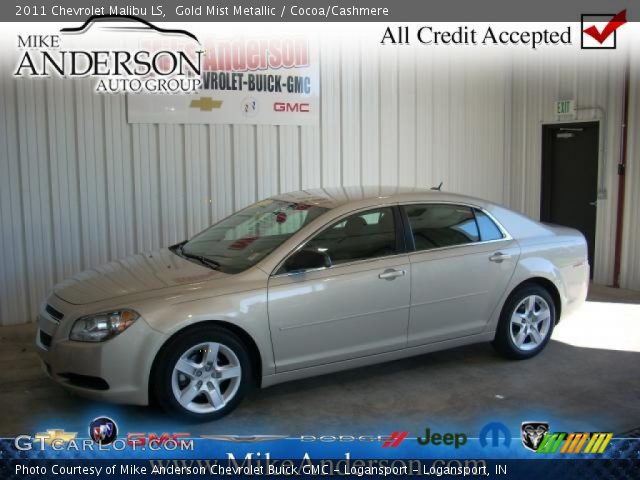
(551, 442)
(567, 444)
(579, 446)
(598, 443)
(574, 442)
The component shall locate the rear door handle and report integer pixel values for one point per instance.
(390, 274)
(499, 257)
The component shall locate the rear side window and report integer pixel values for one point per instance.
(437, 226)
(488, 229)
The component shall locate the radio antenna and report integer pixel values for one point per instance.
(438, 188)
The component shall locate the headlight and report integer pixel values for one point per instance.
(102, 326)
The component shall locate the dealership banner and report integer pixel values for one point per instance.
(271, 80)
(310, 11)
(106, 447)
(362, 175)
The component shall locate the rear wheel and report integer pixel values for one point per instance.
(202, 374)
(526, 322)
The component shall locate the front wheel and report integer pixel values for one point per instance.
(202, 374)
(526, 322)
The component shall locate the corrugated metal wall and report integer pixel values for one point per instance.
(595, 80)
(630, 265)
(80, 186)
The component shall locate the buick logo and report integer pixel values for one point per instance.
(533, 433)
(249, 107)
(103, 430)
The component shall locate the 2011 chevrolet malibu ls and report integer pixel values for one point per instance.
(309, 283)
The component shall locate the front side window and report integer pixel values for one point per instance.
(246, 237)
(441, 225)
(364, 235)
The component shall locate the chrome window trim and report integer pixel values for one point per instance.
(506, 236)
(333, 267)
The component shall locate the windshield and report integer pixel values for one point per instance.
(246, 237)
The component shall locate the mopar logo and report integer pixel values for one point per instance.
(497, 432)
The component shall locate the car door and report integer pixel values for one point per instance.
(358, 306)
(460, 267)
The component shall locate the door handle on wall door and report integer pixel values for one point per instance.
(499, 257)
(390, 274)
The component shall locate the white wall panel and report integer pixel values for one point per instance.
(289, 161)
(407, 118)
(330, 113)
(370, 116)
(244, 165)
(267, 169)
(593, 79)
(172, 183)
(80, 186)
(425, 118)
(389, 131)
(350, 114)
(310, 162)
(15, 282)
(630, 264)
(222, 178)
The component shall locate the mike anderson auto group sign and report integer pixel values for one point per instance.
(271, 81)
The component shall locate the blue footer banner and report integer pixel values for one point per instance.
(537, 453)
(349, 467)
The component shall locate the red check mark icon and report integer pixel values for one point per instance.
(616, 22)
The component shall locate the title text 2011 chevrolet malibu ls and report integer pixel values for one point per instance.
(309, 283)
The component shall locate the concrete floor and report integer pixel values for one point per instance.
(587, 379)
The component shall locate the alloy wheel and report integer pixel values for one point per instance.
(530, 323)
(206, 377)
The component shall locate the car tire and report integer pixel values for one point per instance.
(202, 374)
(526, 322)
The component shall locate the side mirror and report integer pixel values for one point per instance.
(307, 259)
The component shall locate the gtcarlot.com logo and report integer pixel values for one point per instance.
(103, 435)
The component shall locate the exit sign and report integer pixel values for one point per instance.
(566, 109)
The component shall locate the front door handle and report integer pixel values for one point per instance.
(499, 257)
(390, 274)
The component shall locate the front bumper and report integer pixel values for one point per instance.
(116, 370)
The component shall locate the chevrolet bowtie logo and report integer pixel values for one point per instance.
(55, 434)
(205, 104)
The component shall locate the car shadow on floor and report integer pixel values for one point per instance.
(464, 387)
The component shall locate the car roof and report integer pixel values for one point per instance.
(361, 196)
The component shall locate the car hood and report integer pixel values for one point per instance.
(144, 272)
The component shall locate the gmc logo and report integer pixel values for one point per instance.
(153, 439)
(291, 107)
